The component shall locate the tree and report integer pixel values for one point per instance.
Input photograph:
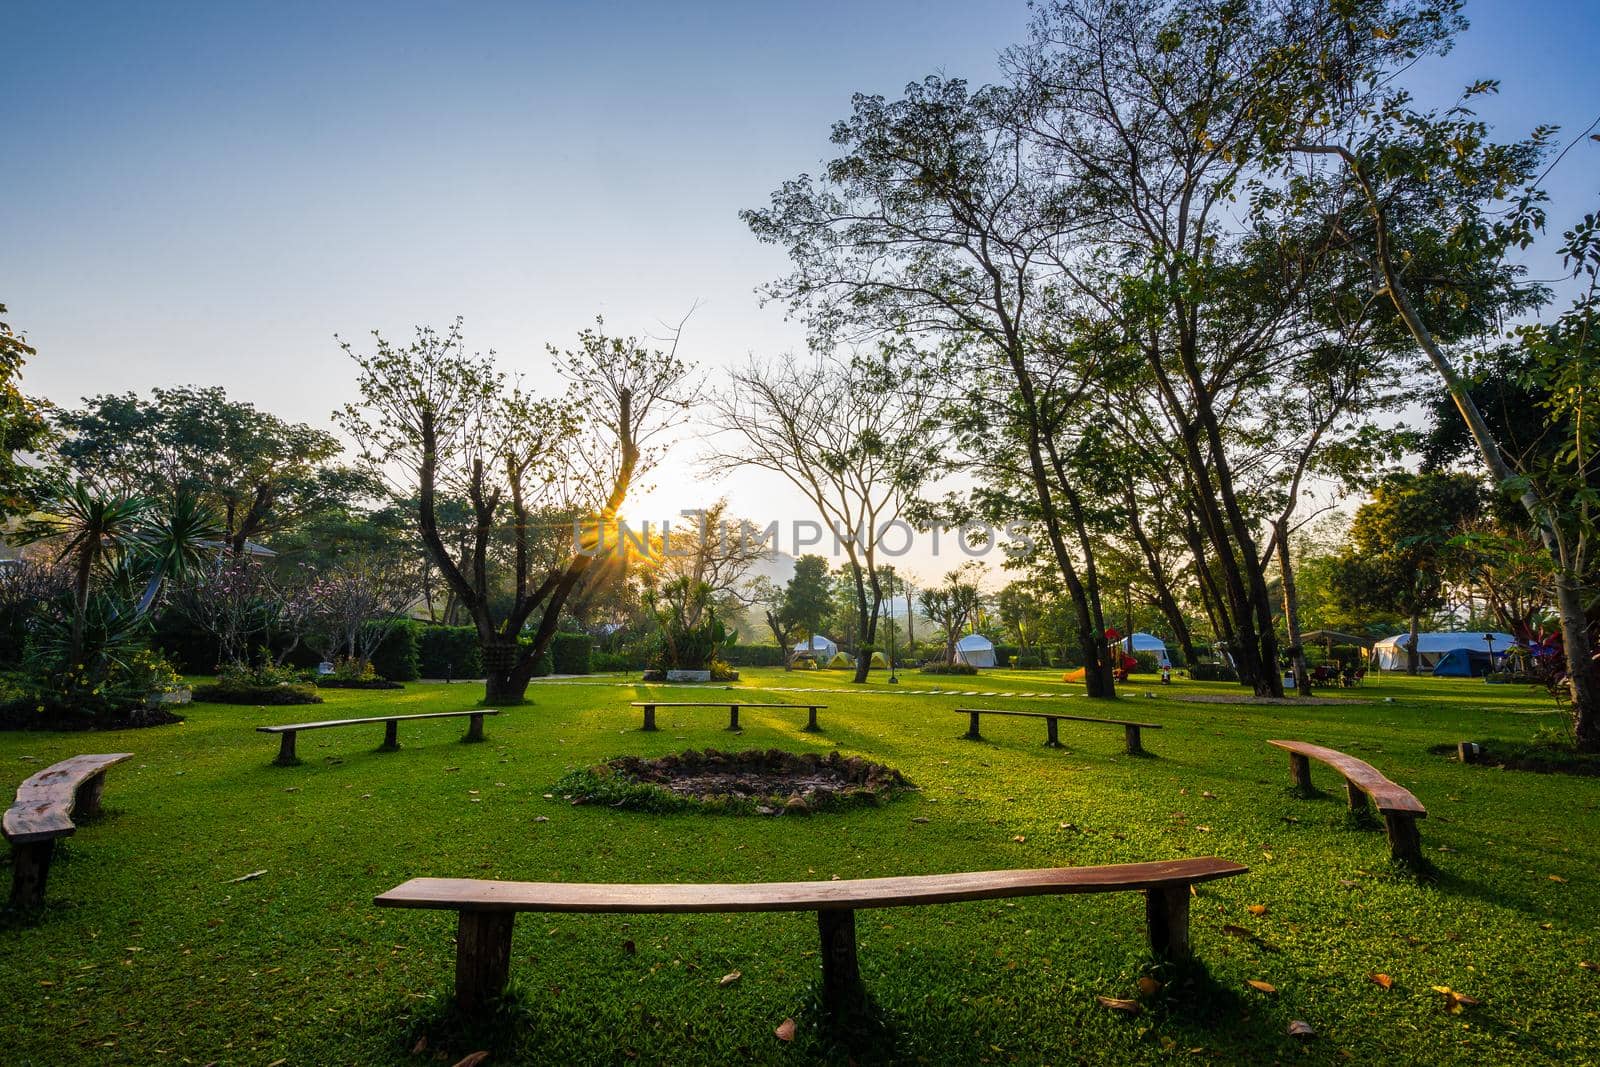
(23, 427)
(436, 420)
(715, 551)
(1021, 614)
(772, 599)
(249, 608)
(1400, 547)
(851, 444)
(952, 604)
(358, 601)
(807, 597)
(261, 474)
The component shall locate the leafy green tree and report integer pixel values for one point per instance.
(23, 427)
(808, 596)
(1401, 547)
(436, 419)
(952, 604)
(258, 472)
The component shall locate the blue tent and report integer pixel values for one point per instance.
(1462, 663)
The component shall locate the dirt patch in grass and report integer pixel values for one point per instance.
(755, 782)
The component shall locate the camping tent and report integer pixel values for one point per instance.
(975, 650)
(820, 648)
(1148, 643)
(1433, 648)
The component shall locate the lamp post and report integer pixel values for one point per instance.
(1488, 639)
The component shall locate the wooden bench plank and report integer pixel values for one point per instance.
(1059, 715)
(733, 707)
(375, 718)
(391, 730)
(484, 895)
(487, 910)
(1132, 743)
(1399, 807)
(1387, 795)
(43, 813)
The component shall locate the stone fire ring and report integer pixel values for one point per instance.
(770, 782)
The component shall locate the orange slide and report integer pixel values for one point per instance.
(1128, 664)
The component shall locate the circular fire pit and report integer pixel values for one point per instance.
(772, 782)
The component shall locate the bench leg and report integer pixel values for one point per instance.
(1358, 799)
(1050, 728)
(474, 728)
(483, 957)
(1166, 916)
(286, 756)
(733, 718)
(649, 726)
(1130, 738)
(30, 869)
(391, 736)
(1405, 844)
(1300, 771)
(811, 724)
(972, 733)
(841, 976)
(88, 800)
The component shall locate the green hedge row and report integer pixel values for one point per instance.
(1213, 672)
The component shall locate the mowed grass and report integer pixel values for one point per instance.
(148, 952)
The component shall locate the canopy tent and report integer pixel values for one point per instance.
(821, 649)
(1148, 643)
(975, 650)
(1390, 653)
(1328, 638)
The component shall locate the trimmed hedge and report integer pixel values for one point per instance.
(752, 656)
(615, 661)
(256, 694)
(571, 653)
(1027, 662)
(449, 652)
(396, 657)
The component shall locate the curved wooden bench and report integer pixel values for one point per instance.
(1130, 730)
(733, 707)
(391, 730)
(43, 813)
(487, 909)
(1399, 808)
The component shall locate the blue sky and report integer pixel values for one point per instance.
(208, 192)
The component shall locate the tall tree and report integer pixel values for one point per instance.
(807, 598)
(438, 420)
(260, 473)
(23, 427)
(952, 604)
(853, 445)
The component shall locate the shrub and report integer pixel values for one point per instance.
(269, 684)
(948, 668)
(1213, 672)
(752, 656)
(1146, 663)
(397, 656)
(570, 653)
(1026, 662)
(449, 652)
(614, 661)
(353, 674)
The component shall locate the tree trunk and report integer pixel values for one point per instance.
(1413, 656)
(505, 681)
(1583, 677)
(1291, 614)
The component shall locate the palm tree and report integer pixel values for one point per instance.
(174, 543)
(97, 530)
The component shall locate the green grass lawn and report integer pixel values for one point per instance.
(147, 952)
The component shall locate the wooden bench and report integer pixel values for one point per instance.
(1130, 730)
(43, 813)
(733, 707)
(391, 730)
(1400, 809)
(487, 909)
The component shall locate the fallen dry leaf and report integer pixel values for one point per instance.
(1381, 979)
(472, 1060)
(1149, 986)
(1209, 795)
(421, 1046)
(1259, 986)
(1301, 1028)
(1131, 1007)
(1557, 878)
(1257, 909)
(1589, 965)
(1454, 1001)
(730, 978)
(785, 1030)
(1019, 839)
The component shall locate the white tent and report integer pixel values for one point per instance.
(1390, 653)
(975, 650)
(1148, 643)
(820, 647)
